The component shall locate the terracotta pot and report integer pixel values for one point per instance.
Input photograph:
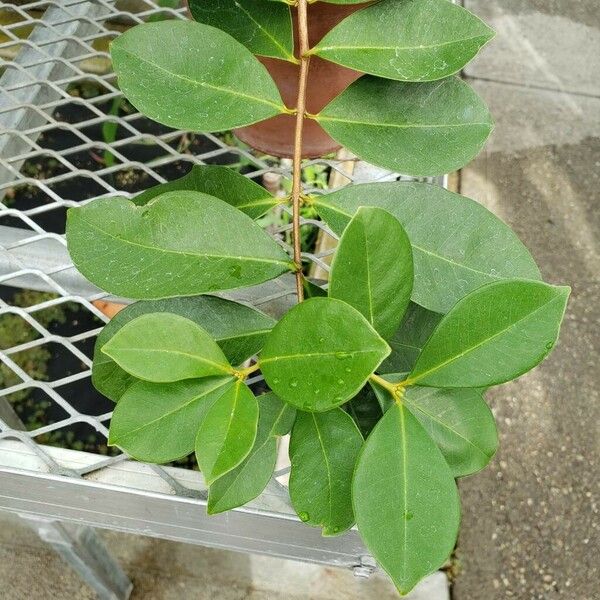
(326, 80)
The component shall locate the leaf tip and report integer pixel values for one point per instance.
(211, 508)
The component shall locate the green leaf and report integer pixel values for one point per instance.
(409, 339)
(373, 269)
(323, 451)
(191, 76)
(365, 410)
(264, 29)
(331, 1)
(250, 477)
(320, 354)
(458, 245)
(418, 129)
(163, 347)
(421, 40)
(405, 499)
(459, 422)
(180, 244)
(239, 330)
(227, 432)
(312, 290)
(493, 335)
(157, 422)
(221, 182)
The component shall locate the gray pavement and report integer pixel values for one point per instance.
(163, 570)
(530, 524)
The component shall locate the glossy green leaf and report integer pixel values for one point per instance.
(180, 244)
(157, 422)
(250, 477)
(227, 432)
(320, 354)
(221, 182)
(493, 335)
(417, 129)
(409, 339)
(365, 410)
(239, 331)
(373, 269)
(312, 290)
(330, 1)
(323, 451)
(459, 422)
(458, 245)
(192, 76)
(163, 347)
(420, 40)
(405, 499)
(263, 28)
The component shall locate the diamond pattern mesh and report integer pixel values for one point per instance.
(68, 136)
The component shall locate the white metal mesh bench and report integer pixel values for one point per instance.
(51, 52)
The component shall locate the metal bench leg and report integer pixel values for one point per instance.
(80, 546)
(84, 551)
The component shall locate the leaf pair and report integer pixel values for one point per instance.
(203, 66)
(323, 351)
(404, 495)
(188, 397)
(239, 331)
(246, 481)
(185, 396)
(421, 40)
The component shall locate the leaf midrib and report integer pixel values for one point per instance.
(402, 48)
(195, 357)
(315, 354)
(369, 287)
(180, 252)
(325, 117)
(230, 420)
(284, 50)
(327, 469)
(420, 376)
(255, 450)
(196, 83)
(415, 246)
(445, 425)
(263, 200)
(172, 412)
(405, 496)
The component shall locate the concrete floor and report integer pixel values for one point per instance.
(163, 570)
(530, 522)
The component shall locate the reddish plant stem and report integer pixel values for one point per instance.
(297, 168)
